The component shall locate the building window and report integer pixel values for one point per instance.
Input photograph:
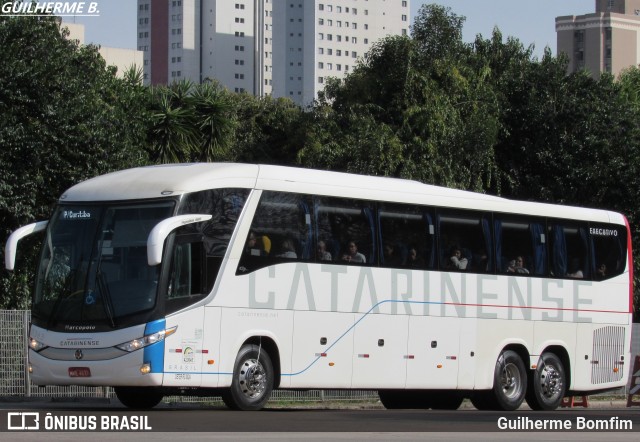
(320, 80)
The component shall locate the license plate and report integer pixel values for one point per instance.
(79, 372)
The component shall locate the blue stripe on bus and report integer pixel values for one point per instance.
(388, 301)
(154, 353)
(332, 345)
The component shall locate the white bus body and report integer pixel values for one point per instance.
(237, 302)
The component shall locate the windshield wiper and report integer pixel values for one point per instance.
(107, 303)
(62, 294)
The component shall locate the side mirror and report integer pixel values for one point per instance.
(12, 243)
(155, 242)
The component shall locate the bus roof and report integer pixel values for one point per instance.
(176, 179)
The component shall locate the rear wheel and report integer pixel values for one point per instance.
(548, 384)
(139, 398)
(252, 382)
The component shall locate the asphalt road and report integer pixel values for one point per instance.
(195, 422)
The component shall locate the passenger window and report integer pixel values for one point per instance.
(465, 241)
(520, 246)
(408, 236)
(280, 232)
(569, 251)
(609, 245)
(345, 227)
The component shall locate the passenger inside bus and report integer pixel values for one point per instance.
(575, 270)
(601, 272)
(392, 256)
(457, 261)
(321, 252)
(287, 250)
(517, 266)
(352, 255)
(414, 260)
(257, 245)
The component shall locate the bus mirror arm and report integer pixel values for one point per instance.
(12, 243)
(155, 242)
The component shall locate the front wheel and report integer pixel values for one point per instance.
(548, 385)
(139, 398)
(252, 380)
(509, 385)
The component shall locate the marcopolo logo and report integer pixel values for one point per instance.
(59, 8)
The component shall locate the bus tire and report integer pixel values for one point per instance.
(447, 400)
(405, 399)
(547, 386)
(139, 398)
(252, 382)
(509, 385)
(482, 400)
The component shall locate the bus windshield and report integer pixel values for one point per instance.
(93, 267)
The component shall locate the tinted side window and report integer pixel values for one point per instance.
(225, 206)
(520, 245)
(465, 241)
(407, 236)
(609, 245)
(280, 231)
(569, 250)
(345, 226)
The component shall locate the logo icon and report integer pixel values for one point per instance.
(23, 421)
(79, 354)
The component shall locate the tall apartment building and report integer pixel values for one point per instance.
(284, 48)
(605, 41)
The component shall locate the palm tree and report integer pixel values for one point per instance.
(215, 121)
(172, 134)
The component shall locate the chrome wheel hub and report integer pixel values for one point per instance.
(511, 381)
(252, 379)
(550, 382)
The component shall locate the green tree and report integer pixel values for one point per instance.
(190, 122)
(269, 130)
(64, 117)
(215, 121)
(172, 132)
(437, 113)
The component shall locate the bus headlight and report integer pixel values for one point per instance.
(36, 345)
(144, 341)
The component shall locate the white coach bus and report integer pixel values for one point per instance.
(236, 279)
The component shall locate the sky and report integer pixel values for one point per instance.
(530, 21)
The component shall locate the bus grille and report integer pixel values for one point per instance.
(608, 348)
